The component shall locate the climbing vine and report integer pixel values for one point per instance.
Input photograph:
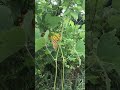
(59, 44)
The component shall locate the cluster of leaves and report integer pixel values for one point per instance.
(16, 44)
(102, 44)
(67, 18)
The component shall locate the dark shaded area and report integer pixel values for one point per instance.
(102, 45)
(17, 70)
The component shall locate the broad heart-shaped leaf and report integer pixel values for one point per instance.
(107, 47)
(10, 42)
(80, 47)
(108, 50)
(39, 43)
(27, 24)
(116, 4)
(114, 21)
(52, 21)
(6, 19)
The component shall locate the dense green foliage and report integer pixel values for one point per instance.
(61, 69)
(16, 45)
(102, 45)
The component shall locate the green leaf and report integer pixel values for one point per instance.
(39, 43)
(71, 58)
(71, 23)
(116, 4)
(82, 34)
(37, 33)
(10, 42)
(75, 15)
(108, 50)
(52, 21)
(83, 27)
(6, 19)
(46, 36)
(80, 47)
(27, 24)
(83, 5)
(78, 1)
(114, 21)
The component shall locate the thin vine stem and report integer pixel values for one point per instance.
(29, 51)
(50, 52)
(56, 63)
(63, 68)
